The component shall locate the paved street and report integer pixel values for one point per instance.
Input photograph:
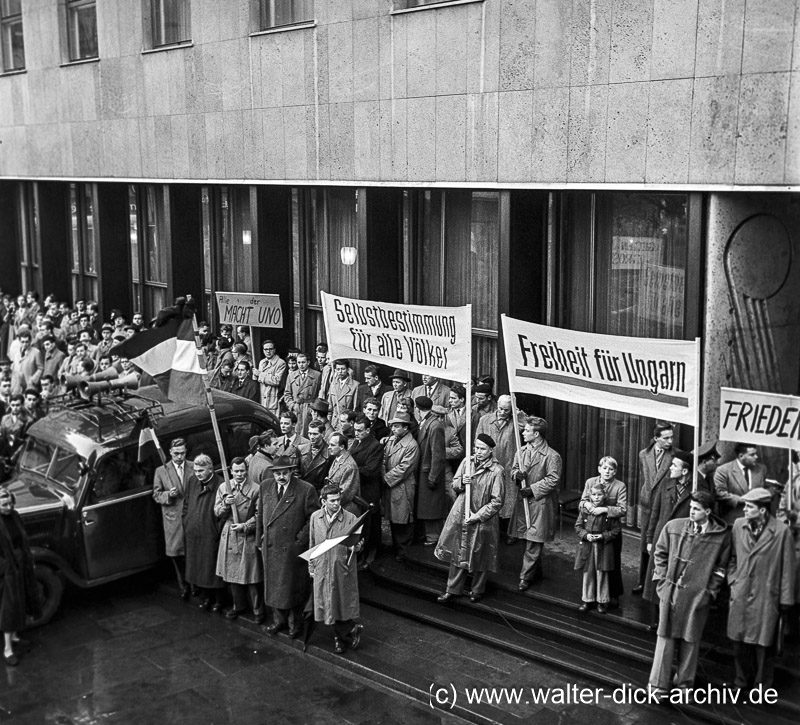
(133, 653)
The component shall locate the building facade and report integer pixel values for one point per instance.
(622, 166)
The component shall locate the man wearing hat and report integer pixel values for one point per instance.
(707, 459)
(483, 402)
(690, 557)
(486, 478)
(259, 463)
(400, 383)
(319, 414)
(434, 389)
(282, 515)
(670, 501)
(737, 477)
(431, 506)
(537, 469)
(761, 574)
(399, 468)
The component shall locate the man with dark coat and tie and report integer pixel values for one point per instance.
(372, 387)
(169, 487)
(706, 460)
(654, 463)
(282, 514)
(433, 388)
(734, 479)
(368, 455)
(290, 442)
(431, 504)
(316, 461)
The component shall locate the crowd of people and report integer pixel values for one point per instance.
(397, 453)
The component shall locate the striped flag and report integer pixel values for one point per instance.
(169, 355)
(148, 442)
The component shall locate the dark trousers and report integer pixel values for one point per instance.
(248, 596)
(342, 629)
(179, 564)
(215, 596)
(615, 587)
(456, 578)
(372, 534)
(754, 664)
(293, 617)
(402, 535)
(644, 560)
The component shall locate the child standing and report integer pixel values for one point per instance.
(595, 555)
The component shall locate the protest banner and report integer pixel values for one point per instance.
(249, 308)
(649, 377)
(429, 340)
(761, 419)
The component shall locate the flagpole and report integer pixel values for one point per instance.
(519, 456)
(697, 411)
(212, 411)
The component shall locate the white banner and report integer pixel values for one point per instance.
(763, 419)
(654, 378)
(249, 308)
(418, 339)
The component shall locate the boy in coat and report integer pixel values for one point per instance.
(595, 555)
(335, 572)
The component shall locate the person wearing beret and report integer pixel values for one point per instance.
(761, 573)
(537, 471)
(400, 389)
(486, 478)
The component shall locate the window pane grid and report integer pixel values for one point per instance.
(82, 29)
(11, 37)
(170, 21)
(275, 13)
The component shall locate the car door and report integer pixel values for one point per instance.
(120, 522)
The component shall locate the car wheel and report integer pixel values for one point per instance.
(51, 589)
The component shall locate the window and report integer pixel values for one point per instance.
(30, 241)
(11, 35)
(120, 473)
(275, 13)
(406, 4)
(82, 29)
(169, 22)
(149, 248)
(84, 255)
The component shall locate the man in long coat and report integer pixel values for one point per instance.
(434, 389)
(335, 572)
(316, 461)
(761, 573)
(455, 433)
(399, 469)
(270, 374)
(238, 561)
(690, 556)
(169, 487)
(431, 506)
(201, 533)
(302, 388)
(538, 469)
(478, 553)
(500, 426)
(26, 365)
(343, 392)
(368, 455)
(734, 479)
(343, 472)
(399, 391)
(282, 514)
(654, 463)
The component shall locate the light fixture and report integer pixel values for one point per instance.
(348, 255)
(247, 236)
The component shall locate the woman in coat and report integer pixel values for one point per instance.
(19, 592)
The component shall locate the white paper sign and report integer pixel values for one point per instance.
(763, 419)
(248, 308)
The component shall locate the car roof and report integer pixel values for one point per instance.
(107, 422)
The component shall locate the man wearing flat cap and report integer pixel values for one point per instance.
(706, 459)
(400, 390)
(431, 505)
(761, 573)
(282, 513)
(399, 470)
(477, 554)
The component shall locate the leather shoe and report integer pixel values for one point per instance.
(339, 646)
(205, 604)
(12, 660)
(602, 609)
(185, 593)
(295, 632)
(637, 590)
(523, 585)
(217, 608)
(446, 597)
(232, 614)
(585, 607)
(475, 598)
(355, 636)
(260, 618)
(275, 627)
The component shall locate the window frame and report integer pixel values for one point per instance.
(264, 8)
(8, 20)
(156, 32)
(84, 282)
(72, 40)
(148, 202)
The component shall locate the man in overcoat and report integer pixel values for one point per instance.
(343, 391)
(316, 461)
(434, 389)
(270, 374)
(455, 433)
(471, 546)
(368, 455)
(169, 487)
(537, 468)
(282, 514)
(302, 387)
(343, 473)
(400, 390)
(761, 573)
(238, 560)
(431, 505)
(690, 557)
(201, 533)
(654, 463)
(399, 469)
(735, 478)
(335, 572)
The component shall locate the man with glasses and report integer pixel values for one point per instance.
(270, 376)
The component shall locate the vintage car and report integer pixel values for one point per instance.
(84, 497)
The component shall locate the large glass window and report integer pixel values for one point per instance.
(275, 13)
(149, 245)
(170, 21)
(13, 44)
(84, 257)
(30, 241)
(82, 29)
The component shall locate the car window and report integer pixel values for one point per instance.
(119, 473)
(201, 441)
(238, 436)
(65, 468)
